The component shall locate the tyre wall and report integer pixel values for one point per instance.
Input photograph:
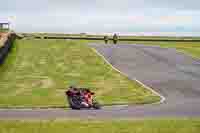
(6, 42)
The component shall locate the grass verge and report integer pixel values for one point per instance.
(37, 72)
(117, 126)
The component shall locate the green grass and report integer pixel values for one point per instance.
(37, 72)
(111, 36)
(117, 126)
(159, 38)
(192, 48)
(4, 30)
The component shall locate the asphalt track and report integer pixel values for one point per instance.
(174, 75)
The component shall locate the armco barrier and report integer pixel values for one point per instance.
(120, 39)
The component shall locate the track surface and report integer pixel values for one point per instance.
(174, 75)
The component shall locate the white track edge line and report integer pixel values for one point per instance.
(145, 86)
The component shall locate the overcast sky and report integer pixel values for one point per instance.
(102, 15)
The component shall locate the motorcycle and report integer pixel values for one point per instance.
(81, 98)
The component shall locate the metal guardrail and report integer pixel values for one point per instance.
(121, 39)
(110, 38)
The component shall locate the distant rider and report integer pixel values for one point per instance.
(106, 39)
(115, 38)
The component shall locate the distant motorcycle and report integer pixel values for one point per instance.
(115, 38)
(80, 98)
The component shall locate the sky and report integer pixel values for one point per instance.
(100, 16)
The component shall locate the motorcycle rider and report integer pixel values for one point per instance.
(115, 38)
(87, 98)
(106, 39)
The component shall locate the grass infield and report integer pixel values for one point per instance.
(117, 126)
(37, 72)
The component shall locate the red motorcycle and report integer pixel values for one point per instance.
(80, 98)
